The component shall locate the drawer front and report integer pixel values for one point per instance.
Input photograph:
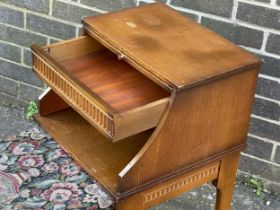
(73, 95)
(110, 94)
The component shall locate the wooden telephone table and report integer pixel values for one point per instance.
(159, 104)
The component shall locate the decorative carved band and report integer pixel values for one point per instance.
(72, 94)
(181, 183)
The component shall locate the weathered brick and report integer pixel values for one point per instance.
(27, 57)
(53, 41)
(273, 43)
(262, 16)
(109, 5)
(20, 37)
(50, 27)
(268, 88)
(277, 155)
(259, 148)
(11, 16)
(265, 129)
(8, 86)
(262, 169)
(20, 73)
(70, 12)
(237, 34)
(29, 93)
(6, 99)
(216, 7)
(34, 5)
(271, 66)
(191, 15)
(267, 109)
(10, 52)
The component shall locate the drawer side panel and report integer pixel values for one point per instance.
(73, 95)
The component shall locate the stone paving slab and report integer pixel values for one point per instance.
(12, 122)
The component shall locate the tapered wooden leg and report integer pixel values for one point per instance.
(226, 180)
(50, 102)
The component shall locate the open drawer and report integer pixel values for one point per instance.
(109, 93)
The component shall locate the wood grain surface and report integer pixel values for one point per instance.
(112, 95)
(170, 189)
(226, 180)
(116, 82)
(196, 87)
(50, 102)
(167, 45)
(203, 122)
(102, 159)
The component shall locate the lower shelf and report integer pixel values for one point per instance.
(101, 158)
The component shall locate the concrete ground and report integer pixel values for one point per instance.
(12, 122)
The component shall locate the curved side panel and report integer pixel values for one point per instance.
(203, 123)
(147, 145)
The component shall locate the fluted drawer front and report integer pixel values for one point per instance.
(72, 94)
(113, 96)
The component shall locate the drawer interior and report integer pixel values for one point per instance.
(116, 82)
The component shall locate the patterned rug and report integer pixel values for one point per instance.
(36, 173)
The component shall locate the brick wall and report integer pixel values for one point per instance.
(254, 25)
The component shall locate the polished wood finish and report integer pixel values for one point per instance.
(226, 180)
(115, 82)
(193, 86)
(98, 156)
(109, 93)
(73, 48)
(208, 120)
(103, 160)
(86, 104)
(160, 41)
(50, 102)
(169, 189)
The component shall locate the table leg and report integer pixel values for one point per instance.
(226, 180)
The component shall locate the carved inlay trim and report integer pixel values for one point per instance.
(75, 97)
(181, 183)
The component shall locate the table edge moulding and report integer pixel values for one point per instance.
(150, 103)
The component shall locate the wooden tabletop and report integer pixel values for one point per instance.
(170, 46)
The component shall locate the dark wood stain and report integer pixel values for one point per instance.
(175, 33)
(145, 42)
